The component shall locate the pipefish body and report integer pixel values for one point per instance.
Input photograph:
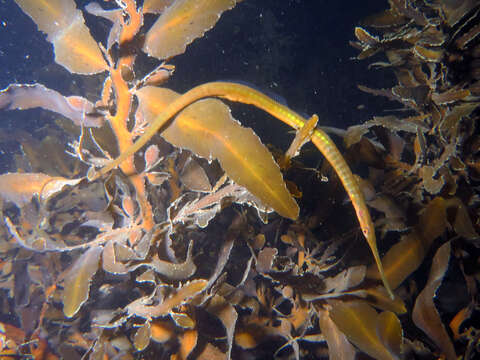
(244, 94)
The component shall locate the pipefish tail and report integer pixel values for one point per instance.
(244, 94)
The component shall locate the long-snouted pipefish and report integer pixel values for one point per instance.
(244, 94)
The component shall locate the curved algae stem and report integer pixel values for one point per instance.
(123, 99)
(244, 94)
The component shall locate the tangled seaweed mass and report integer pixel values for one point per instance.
(167, 230)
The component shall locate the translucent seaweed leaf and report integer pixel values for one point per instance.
(463, 224)
(55, 185)
(345, 280)
(394, 215)
(194, 177)
(75, 108)
(358, 321)
(151, 156)
(202, 210)
(142, 337)
(433, 219)
(355, 133)
(389, 331)
(77, 281)
(75, 48)
(208, 129)
(181, 23)
(453, 117)
(183, 320)
(124, 252)
(175, 271)
(430, 184)
(77, 51)
(450, 96)
(403, 258)
(425, 315)
(223, 256)
(302, 136)
(365, 37)
(429, 55)
(140, 308)
(20, 188)
(338, 346)
(265, 260)
(114, 15)
(110, 262)
(406, 256)
(51, 16)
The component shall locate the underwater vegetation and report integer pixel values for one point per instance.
(167, 230)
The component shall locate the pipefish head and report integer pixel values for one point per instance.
(368, 231)
(366, 223)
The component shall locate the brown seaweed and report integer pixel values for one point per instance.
(208, 129)
(152, 260)
(362, 326)
(75, 108)
(77, 281)
(181, 23)
(425, 314)
(75, 48)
